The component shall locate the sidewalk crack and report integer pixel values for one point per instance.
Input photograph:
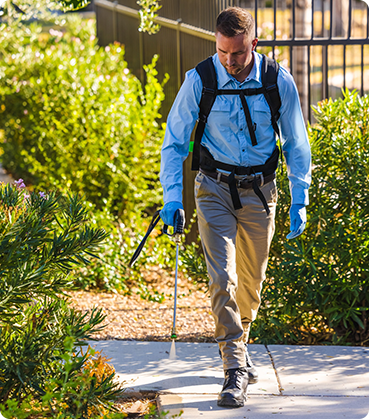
(281, 389)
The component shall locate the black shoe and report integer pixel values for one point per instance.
(252, 371)
(234, 391)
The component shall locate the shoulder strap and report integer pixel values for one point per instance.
(269, 75)
(207, 73)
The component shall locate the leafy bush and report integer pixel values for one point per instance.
(75, 119)
(147, 16)
(318, 289)
(42, 238)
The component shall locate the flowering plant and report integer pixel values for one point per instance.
(43, 236)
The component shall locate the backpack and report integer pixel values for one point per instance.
(202, 157)
(269, 89)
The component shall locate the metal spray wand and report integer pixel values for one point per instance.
(178, 230)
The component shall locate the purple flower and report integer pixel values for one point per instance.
(20, 183)
(42, 194)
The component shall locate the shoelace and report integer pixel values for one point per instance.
(233, 378)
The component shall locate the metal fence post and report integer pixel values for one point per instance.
(303, 9)
(141, 58)
(178, 53)
(114, 18)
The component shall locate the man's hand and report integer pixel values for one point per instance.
(168, 212)
(298, 220)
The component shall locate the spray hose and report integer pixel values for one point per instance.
(152, 225)
(178, 230)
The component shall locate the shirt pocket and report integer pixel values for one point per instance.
(261, 115)
(220, 114)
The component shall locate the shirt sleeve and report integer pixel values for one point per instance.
(294, 139)
(180, 123)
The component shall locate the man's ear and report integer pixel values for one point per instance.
(254, 43)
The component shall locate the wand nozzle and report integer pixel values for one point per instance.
(173, 335)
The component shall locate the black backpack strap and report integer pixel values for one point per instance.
(207, 73)
(251, 126)
(269, 75)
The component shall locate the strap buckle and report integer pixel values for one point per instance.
(260, 174)
(250, 178)
(208, 91)
(271, 87)
(202, 118)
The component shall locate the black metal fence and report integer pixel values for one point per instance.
(324, 44)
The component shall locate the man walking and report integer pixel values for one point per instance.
(235, 188)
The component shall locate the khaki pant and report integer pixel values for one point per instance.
(236, 244)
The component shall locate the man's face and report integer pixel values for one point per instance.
(235, 54)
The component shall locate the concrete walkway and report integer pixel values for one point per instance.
(296, 382)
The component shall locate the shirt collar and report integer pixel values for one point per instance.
(224, 77)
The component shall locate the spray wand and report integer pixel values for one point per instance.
(178, 230)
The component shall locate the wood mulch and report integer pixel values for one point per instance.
(130, 317)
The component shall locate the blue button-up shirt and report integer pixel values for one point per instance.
(226, 134)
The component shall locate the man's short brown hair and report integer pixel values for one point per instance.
(235, 21)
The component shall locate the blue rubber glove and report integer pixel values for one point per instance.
(298, 220)
(168, 212)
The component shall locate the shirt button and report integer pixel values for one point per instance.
(243, 150)
(241, 129)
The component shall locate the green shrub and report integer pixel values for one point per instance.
(147, 15)
(75, 119)
(318, 284)
(42, 238)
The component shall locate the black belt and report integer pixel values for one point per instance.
(245, 184)
(235, 183)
